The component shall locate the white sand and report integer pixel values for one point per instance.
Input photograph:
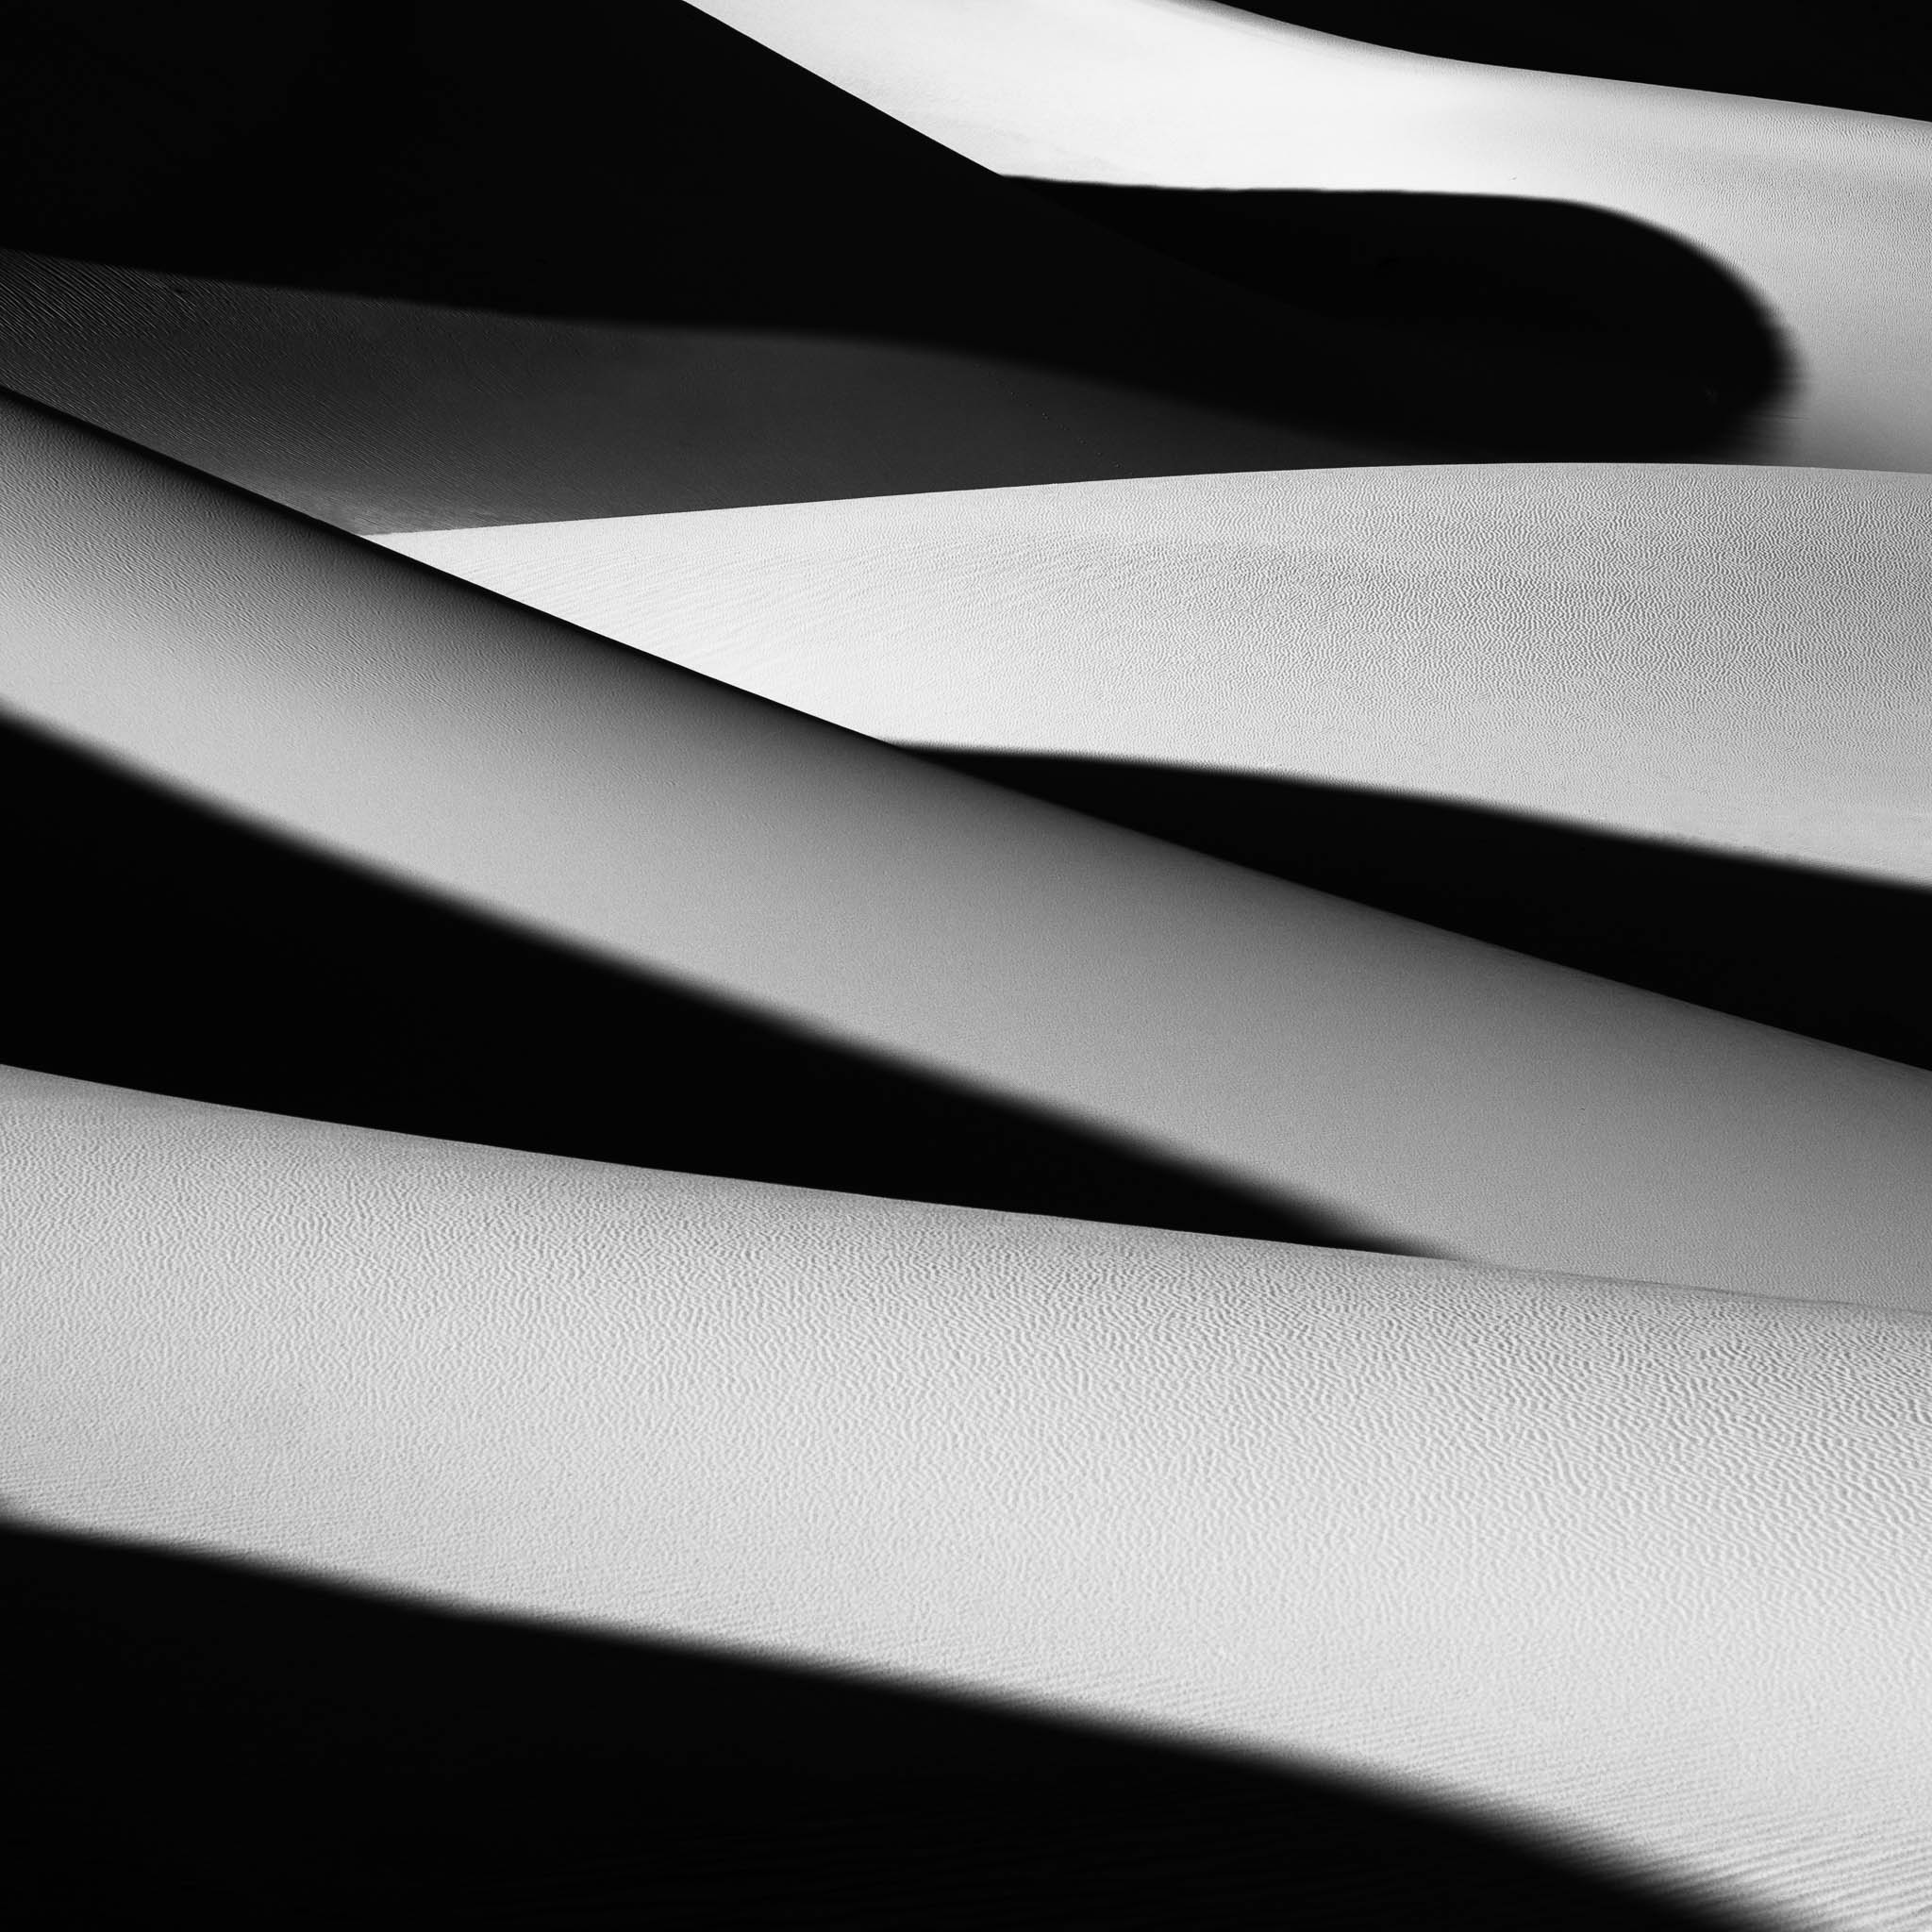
(1443, 1093)
(1826, 213)
(1643, 1569)
(1735, 659)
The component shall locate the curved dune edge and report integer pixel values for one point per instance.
(375, 414)
(1437, 1092)
(1637, 1568)
(1856, 64)
(1825, 212)
(1735, 659)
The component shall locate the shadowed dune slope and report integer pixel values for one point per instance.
(602, 1774)
(1666, 724)
(650, 166)
(271, 977)
(1825, 214)
(1429, 1088)
(1824, 954)
(1529, 327)
(1637, 1570)
(1858, 55)
(377, 415)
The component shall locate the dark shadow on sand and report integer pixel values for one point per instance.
(647, 165)
(220, 1743)
(1495, 322)
(1836, 956)
(1864, 54)
(158, 945)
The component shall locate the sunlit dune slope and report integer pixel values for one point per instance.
(1459, 1098)
(1824, 212)
(1740, 659)
(1666, 724)
(1638, 1569)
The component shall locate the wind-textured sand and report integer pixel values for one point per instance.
(1737, 659)
(1058, 1063)
(1444, 1094)
(1637, 1570)
(1664, 724)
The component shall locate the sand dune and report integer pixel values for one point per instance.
(377, 415)
(642, 263)
(1439, 1092)
(651, 167)
(276, 978)
(1833, 955)
(1663, 723)
(1735, 659)
(563, 835)
(612, 1777)
(1826, 213)
(1512, 327)
(1639, 1569)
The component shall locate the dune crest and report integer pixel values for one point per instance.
(1736, 658)
(1824, 212)
(1437, 1092)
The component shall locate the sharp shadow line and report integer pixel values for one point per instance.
(1500, 322)
(491, 170)
(1835, 956)
(159, 944)
(256, 1748)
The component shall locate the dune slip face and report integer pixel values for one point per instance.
(377, 413)
(1824, 213)
(1437, 1092)
(1637, 1572)
(431, 327)
(964, 966)
(779, 232)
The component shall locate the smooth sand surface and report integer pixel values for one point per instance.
(1735, 658)
(376, 414)
(1640, 1569)
(1826, 213)
(1442, 1093)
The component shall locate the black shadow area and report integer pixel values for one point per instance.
(1864, 54)
(646, 164)
(1524, 327)
(158, 945)
(213, 1744)
(1838, 957)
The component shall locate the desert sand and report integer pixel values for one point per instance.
(379, 414)
(626, 308)
(1664, 724)
(626, 1292)
(1442, 1094)
(1734, 657)
(1635, 1570)
(1824, 212)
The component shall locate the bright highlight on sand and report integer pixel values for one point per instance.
(963, 971)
